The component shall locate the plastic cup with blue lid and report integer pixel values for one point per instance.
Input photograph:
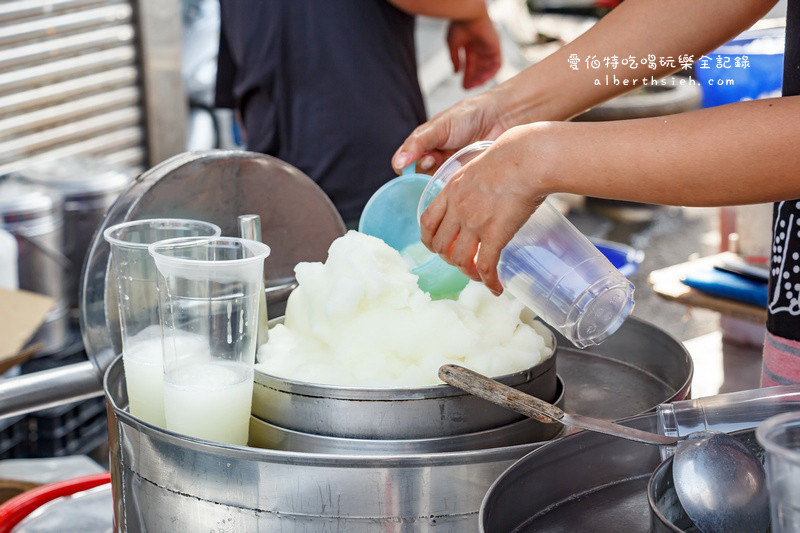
(391, 215)
(552, 267)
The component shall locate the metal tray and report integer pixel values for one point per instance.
(583, 482)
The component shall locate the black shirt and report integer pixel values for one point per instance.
(329, 87)
(784, 284)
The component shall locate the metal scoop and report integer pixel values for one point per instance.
(532, 407)
(720, 483)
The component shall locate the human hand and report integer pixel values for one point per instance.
(485, 203)
(480, 44)
(473, 119)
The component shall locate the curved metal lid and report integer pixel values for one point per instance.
(299, 223)
(77, 175)
(23, 201)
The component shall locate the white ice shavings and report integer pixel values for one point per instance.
(360, 320)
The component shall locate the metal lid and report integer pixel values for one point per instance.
(22, 201)
(299, 223)
(77, 175)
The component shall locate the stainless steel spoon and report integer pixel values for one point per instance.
(720, 483)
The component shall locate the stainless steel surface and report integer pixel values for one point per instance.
(162, 479)
(408, 413)
(69, 83)
(616, 430)
(223, 185)
(49, 388)
(594, 483)
(53, 335)
(583, 482)
(88, 187)
(667, 514)
(627, 373)
(250, 228)
(159, 53)
(721, 484)
(266, 435)
(509, 398)
(33, 215)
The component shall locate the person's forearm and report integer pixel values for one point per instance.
(735, 154)
(445, 9)
(551, 90)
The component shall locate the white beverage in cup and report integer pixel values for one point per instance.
(144, 370)
(204, 399)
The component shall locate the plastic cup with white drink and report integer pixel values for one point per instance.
(137, 300)
(209, 289)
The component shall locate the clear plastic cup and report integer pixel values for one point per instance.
(729, 412)
(137, 299)
(390, 215)
(209, 293)
(780, 438)
(553, 268)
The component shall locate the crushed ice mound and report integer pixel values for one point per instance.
(360, 320)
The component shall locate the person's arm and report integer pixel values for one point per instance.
(473, 42)
(444, 9)
(735, 154)
(551, 90)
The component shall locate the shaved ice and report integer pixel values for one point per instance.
(360, 320)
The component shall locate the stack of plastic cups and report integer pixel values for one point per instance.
(552, 268)
(209, 300)
(780, 438)
(137, 299)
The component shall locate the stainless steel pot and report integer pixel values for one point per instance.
(163, 480)
(411, 413)
(33, 215)
(88, 188)
(266, 435)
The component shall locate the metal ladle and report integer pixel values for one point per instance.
(720, 483)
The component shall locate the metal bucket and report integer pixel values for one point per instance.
(410, 413)
(88, 189)
(163, 480)
(33, 215)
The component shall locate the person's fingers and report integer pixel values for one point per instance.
(469, 69)
(486, 265)
(445, 234)
(430, 220)
(455, 53)
(423, 139)
(433, 160)
(462, 254)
